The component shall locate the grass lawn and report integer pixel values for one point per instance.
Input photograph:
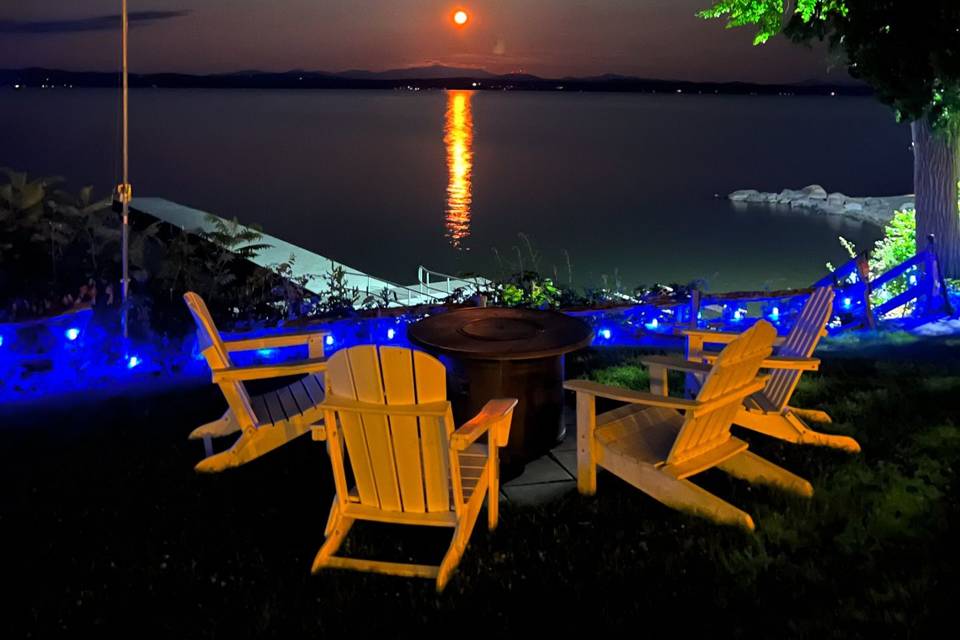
(107, 526)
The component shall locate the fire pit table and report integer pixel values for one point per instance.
(506, 353)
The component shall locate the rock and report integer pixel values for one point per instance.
(815, 199)
(836, 199)
(901, 204)
(815, 192)
(744, 195)
(787, 196)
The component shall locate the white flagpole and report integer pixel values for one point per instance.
(125, 191)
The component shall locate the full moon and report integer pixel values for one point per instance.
(461, 17)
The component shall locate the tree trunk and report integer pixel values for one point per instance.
(936, 169)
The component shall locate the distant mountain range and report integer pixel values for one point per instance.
(430, 77)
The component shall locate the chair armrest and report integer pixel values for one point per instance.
(499, 411)
(425, 410)
(263, 371)
(719, 337)
(695, 407)
(788, 362)
(712, 337)
(312, 339)
(628, 395)
(780, 362)
(675, 363)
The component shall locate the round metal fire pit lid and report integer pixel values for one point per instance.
(496, 333)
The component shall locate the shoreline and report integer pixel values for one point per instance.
(814, 199)
(416, 79)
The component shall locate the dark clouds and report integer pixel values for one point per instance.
(99, 23)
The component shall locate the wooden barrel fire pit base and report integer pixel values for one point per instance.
(507, 353)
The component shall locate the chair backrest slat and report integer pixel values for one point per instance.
(399, 463)
(800, 343)
(217, 357)
(431, 385)
(735, 368)
(368, 382)
(398, 386)
(340, 383)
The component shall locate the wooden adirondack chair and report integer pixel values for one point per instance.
(387, 413)
(656, 442)
(768, 411)
(267, 421)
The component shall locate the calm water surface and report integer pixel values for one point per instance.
(623, 184)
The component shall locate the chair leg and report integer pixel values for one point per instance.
(812, 415)
(788, 426)
(461, 536)
(678, 494)
(683, 495)
(224, 426)
(218, 462)
(493, 490)
(333, 517)
(748, 466)
(338, 528)
(586, 445)
(252, 444)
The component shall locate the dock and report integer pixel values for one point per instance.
(430, 286)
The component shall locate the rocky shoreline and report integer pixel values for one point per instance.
(814, 199)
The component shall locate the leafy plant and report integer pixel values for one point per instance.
(340, 297)
(897, 244)
(242, 241)
(95, 223)
(381, 299)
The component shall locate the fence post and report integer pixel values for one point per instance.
(863, 270)
(694, 307)
(693, 346)
(937, 285)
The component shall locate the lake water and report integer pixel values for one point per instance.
(623, 184)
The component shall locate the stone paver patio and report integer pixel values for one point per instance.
(549, 477)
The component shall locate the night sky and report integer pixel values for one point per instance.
(648, 38)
